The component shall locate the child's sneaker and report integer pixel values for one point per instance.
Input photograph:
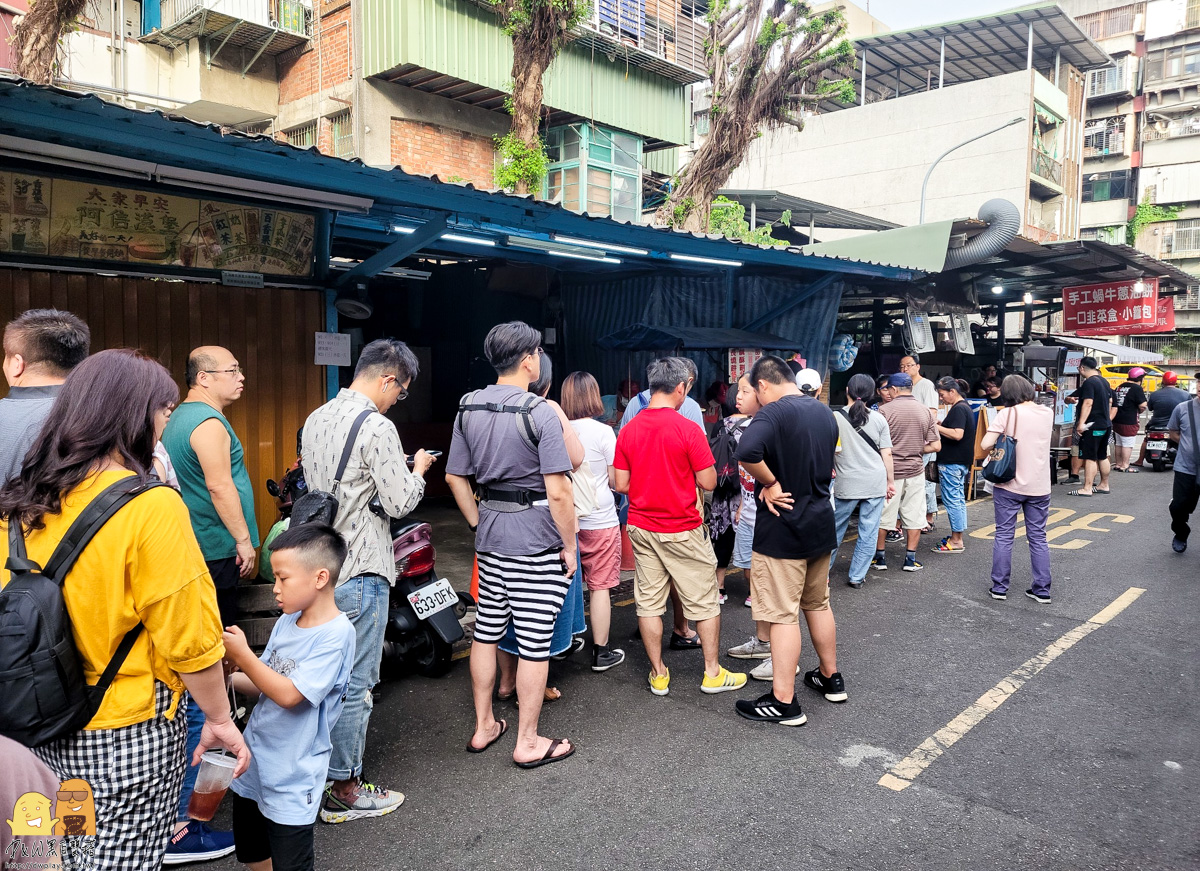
(369, 801)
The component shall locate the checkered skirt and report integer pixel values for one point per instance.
(135, 773)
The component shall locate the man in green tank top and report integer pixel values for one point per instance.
(208, 459)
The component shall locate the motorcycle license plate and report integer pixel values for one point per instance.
(432, 598)
(1156, 446)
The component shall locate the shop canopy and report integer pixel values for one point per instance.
(1122, 353)
(644, 337)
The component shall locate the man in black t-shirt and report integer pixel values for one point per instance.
(1094, 426)
(1129, 401)
(788, 449)
(954, 460)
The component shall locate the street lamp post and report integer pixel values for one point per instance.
(929, 172)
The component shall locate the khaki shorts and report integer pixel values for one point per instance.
(782, 588)
(908, 504)
(683, 558)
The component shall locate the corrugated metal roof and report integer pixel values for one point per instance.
(68, 118)
(976, 48)
(770, 205)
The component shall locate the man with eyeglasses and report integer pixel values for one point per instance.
(208, 460)
(377, 468)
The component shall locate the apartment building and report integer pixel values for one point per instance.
(1142, 143)
(416, 83)
(925, 90)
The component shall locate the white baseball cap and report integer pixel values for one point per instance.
(808, 380)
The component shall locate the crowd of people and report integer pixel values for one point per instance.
(764, 477)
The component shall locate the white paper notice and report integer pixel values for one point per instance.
(333, 349)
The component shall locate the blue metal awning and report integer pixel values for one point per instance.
(94, 135)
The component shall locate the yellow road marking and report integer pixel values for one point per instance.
(904, 772)
(988, 533)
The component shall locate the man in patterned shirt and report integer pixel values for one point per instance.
(377, 467)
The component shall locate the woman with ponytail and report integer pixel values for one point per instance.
(864, 472)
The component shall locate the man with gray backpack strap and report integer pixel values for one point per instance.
(524, 524)
(375, 470)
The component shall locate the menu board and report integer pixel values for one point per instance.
(48, 216)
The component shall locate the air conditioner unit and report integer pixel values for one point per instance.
(918, 334)
(964, 342)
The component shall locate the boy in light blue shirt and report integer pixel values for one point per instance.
(301, 678)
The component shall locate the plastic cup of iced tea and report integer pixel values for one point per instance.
(213, 779)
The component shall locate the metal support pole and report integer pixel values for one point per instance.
(1027, 331)
(812, 227)
(1001, 312)
(942, 65)
(1057, 60)
(753, 215)
(1029, 50)
(862, 89)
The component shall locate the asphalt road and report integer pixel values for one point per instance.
(1091, 763)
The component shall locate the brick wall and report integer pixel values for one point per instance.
(428, 149)
(298, 76)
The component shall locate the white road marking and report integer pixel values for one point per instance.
(902, 774)
(856, 754)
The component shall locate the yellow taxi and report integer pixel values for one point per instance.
(1118, 374)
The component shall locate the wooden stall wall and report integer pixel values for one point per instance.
(269, 330)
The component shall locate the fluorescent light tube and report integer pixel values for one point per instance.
(469, 240)
(604, 246)
(714, 261)
(574, 256)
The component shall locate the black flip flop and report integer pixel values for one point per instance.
(680, 642)
(503, 729)
(549, 757)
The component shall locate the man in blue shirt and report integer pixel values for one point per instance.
(1183, 428)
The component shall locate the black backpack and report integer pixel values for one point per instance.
(43, 693)
(724, 449)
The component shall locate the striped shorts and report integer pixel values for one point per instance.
(135, 773)
(527, 591)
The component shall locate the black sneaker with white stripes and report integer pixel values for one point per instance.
(832, 687)
(768, 709)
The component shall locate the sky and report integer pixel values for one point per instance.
(906, 14)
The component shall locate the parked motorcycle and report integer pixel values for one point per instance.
(424, 611)
(1160, 450)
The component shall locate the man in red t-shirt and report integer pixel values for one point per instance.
(661, 458)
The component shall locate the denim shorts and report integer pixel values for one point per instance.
(743, 545)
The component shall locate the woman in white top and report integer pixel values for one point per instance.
(865, 478)
(1029, 492)
(599, 530)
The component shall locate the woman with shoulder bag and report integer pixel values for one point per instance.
(143, 567)
(1028, 492)
(865, 479)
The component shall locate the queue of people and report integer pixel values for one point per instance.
(537, 484)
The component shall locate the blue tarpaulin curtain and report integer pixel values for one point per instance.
(593, 309)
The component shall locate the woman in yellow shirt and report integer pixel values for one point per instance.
(144, 565)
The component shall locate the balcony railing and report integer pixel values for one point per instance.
(1104, 144)
(291, 16)
(1042, 234)
(1174, 129)
(656, 34)
(1046, 167)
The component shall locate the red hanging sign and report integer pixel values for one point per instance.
(1166, 315)
(1118, 308)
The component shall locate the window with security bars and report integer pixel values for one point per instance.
(1190, 301)
(1110, 80)
(341, 131)
(1184, 238)
(304, 136)
(1193, 14)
